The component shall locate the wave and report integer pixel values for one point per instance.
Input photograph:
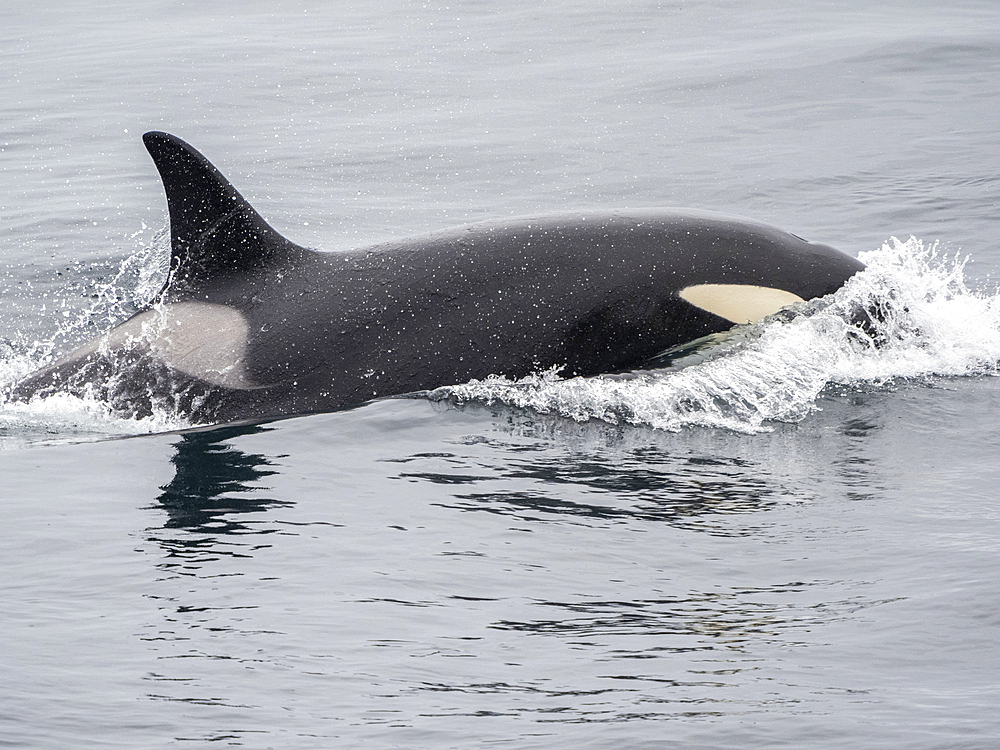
(62, 417)
(908, 316)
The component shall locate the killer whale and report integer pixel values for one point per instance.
(251, 326)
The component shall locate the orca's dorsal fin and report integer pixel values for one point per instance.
(214, 232)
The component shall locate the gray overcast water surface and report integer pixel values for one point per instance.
(484, 571)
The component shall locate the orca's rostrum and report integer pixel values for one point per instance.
(251, 326)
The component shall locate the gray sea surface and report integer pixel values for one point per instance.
(807, 557)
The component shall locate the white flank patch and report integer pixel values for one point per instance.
(738, 303)
(195, 338)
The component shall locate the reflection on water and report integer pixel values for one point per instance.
(207, 536)
(644, 484)
(731, 618)
(214, 492)
(539, 467)
(580, 621)
(215, 481)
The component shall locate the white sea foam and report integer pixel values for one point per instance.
(61, 416)
(926, 323)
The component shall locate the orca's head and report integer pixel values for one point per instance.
(762, 270)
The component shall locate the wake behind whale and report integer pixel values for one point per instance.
(251, 326)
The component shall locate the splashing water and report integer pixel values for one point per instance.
(907, 316)
(136, 283)
(139, 279)
(919, 321)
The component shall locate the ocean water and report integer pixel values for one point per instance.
(789, 540)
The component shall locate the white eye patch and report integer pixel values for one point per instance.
(738, 303)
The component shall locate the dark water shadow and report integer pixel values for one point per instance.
(213, 529)
(640, 484)
(544, 468)
(215, 482)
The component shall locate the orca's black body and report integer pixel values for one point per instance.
(252, 326)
